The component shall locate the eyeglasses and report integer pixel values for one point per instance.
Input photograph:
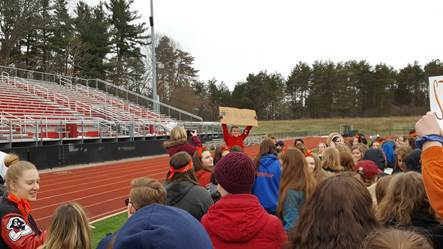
(127, 203)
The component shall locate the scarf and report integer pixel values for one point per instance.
(22, 204)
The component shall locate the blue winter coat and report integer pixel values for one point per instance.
(267, 182)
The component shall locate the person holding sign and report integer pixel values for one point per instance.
(235, 117)
(235, 137)
(431, 142)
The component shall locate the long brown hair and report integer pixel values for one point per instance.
(390, 238)
(405, 195)
(178, 161)
(296, 176)
(338, 215)
(331, 160)
(69, 229)
(347, 161)
(266, 147)
(218, 154)
(382, 187)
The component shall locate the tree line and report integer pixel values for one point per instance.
(102, 41)
(109, 41)
(327, 89)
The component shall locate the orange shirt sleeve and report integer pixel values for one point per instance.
(432, 170)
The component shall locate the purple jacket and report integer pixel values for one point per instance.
(176, 146)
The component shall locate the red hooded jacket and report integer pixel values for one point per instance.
(232, 141)
(175, 146)
(239, 221)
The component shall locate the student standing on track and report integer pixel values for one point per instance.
(178, 142)
(18, 228)
(183, 190)
(268, 172)
(235, 137)
(238, 220)
(203, 166)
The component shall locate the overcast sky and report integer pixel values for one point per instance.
(232, 38)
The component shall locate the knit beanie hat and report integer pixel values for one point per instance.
(368, 169)
(235, 173)
(162, 227)
(413, 162)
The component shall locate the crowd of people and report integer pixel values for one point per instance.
(345, 193)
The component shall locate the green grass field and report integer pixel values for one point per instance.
(109, 225)
(382, 126)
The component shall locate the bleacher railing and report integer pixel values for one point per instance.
(109, 88)
(39, 128)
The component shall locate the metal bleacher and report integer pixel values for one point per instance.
(36, 106)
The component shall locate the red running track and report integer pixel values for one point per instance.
(101, 190)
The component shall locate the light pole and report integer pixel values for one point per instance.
(156, 106)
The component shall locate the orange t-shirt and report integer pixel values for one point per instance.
(432, 170)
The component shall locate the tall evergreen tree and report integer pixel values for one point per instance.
(344, 92)
(411, 86)
(297, 88)
(384, 77)
(92, 41)
(261, 92)
(127, 39)
(44, 34)
(17, 19)
(320, 99)
(166, 67)
(61, 42)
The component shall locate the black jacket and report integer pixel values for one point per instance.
(429, 226)
(190, 197)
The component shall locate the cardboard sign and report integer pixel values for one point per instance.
(436, 97)
(240, 117)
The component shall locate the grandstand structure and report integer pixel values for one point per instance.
(43, 108)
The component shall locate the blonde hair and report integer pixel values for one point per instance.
(15, 171)
(343, 148)
(146, 191)
(386, 238)
(178, 133)
(331, 160)
(69, 229)
(10, 159)
(405, 195)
